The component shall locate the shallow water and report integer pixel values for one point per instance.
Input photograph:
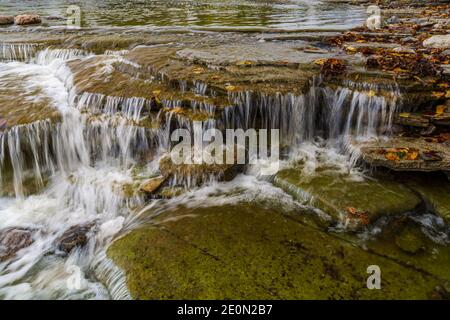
(280, 14)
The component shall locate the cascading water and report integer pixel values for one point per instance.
(81, 163)
(86, 163)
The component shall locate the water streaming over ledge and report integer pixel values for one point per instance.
(81, 163)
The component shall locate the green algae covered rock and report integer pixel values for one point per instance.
(410, 241)
(435, 189)
(245, 251)
(336, 194)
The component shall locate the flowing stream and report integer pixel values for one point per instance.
(82, 161)
(248, 14)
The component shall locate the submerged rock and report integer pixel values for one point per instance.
(409, 240)
(417, 240)
(75, 236)
(435, 189)
(26, 19)
(246, 251)
(12, 240)
(4, 20)
(354, 202)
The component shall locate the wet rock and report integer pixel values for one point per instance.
(393, 20)
(171, 192)
(410, 240)
(75, 236)
(27, 19)
(248, 251)
(432, 155)
(12, 240)
(439, 41)
(403, 50)
(435, 193)
(194, 174)
(352, 202)
(439, 293)
(151, 185)
(413, 120)
(55, 18)
(409, 39)
(406, 239)
(5, 20)
(445, 69)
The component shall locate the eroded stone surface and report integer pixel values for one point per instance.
(370, 154)
(246, 251)
(337, 193)
(12, 240)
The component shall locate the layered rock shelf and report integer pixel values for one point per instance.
(363, 115)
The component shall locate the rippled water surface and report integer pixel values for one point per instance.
(285, 14)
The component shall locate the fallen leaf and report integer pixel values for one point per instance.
(437, 94)
(404, 115)
(198, 70)
(320, 62)
(244, 63)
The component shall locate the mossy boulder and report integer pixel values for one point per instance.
(246, 251)
(340, 195)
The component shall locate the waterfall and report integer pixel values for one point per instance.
(82, 164)
(333, 114)
(131, 108)
(17, 51)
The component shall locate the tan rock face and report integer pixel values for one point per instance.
(439, 41)
(4, 20)
(12, 240)
(152, 185)
(26, 19)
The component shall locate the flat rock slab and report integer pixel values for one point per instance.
(250, 252)
(259, 53)
(336, 194)
(23, 100)
(371, 155)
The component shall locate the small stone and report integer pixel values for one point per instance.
(445, 69)
(403, 50)
(26, 19)
(440, 41)
(75, 236)
(55, 18)
(392, 20)
(12, 240)
(409, 240)
(4, 20)
(153, 184)
(409, 39)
